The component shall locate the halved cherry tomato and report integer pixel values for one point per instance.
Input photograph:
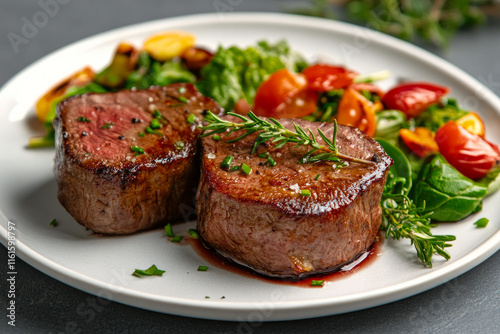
(470, 154)
(420, 141)
(285, 94)
(414, 97)
(473, 123)
(323, 78)
(357, 111)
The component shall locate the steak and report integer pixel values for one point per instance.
(128, 161)
(262, 220)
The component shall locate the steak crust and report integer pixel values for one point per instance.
(263, 222)
(108, 187)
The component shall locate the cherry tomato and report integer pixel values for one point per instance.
(420, 141)
(359, 86)
(473, 123)
(414, 97)
(323, 78)
(470, 154)
(285, 94)
(357, 111)
(242, 107)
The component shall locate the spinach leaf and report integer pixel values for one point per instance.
(437, 115)
(446, 192)
(400, 172)
(491, 180)
(236, 73)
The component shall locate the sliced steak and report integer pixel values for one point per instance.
(262, 221)
(106, 185)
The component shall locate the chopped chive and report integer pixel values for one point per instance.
(83, 119)
(169, 232)
(88, 154)
(179, 145)
(317, 283)
(270, 161)
(151, 271)
(194, 234)
(246, 169)
(317, 177)
(157, 114)
(107, 125)
(202, 268)
(183, 99)
(54, 223)
(155, 123)
(226, 163)
(149, 130)
(264, 155)
(216, 137)
(234, 168)
(482, 222)
(305, 192)
(190, 119)
(182, 90)
(141, 134)
(177, 238)
(137, 150)
(207, 297)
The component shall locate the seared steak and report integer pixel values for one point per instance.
(262, 221)
(104, 179)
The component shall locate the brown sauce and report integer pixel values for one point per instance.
(219, 261)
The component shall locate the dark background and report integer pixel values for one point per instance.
(467, 304)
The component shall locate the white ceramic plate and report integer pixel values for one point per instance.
(103, 265)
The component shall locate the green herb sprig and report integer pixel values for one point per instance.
(273, 129)
(401, 219)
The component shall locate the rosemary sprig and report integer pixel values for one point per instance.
(402, 219)
(274, 130)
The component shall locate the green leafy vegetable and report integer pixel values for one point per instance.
(169, 232)
(491, 180)
(328, 104)
(482, 222)
(194, 234)
(400, 170)
(236, 73)
(438, 115)
(446, 192)
(389, 122)
(151, 271)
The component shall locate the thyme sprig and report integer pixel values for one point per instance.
(402, 219)
(272, 129)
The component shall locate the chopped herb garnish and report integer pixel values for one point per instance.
(317, 177)
(169, 232)
(207, 297)
(194, 234)
(246, 169)
(157, 114)
(177, 238)
(83, 119)
(317, 282)
(234, 168)
(137, 150)
(264, 155)
(226, 163)
(270, 161)
(149, 130)
(107, 125)
(202, 268)
(191, 118)
(181, 90)
(151, 271)
(182, 99)
(216, 137)
(54, 223)
(155, 123)
(179, 145)
(482, 222)
(141, 134)
(305, 192)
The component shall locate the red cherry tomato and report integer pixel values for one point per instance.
(323, 78)
(414, 97)
(285, 94)
(470, 154)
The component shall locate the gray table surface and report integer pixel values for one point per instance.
(469, 303)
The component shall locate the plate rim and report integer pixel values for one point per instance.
(316, 307)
